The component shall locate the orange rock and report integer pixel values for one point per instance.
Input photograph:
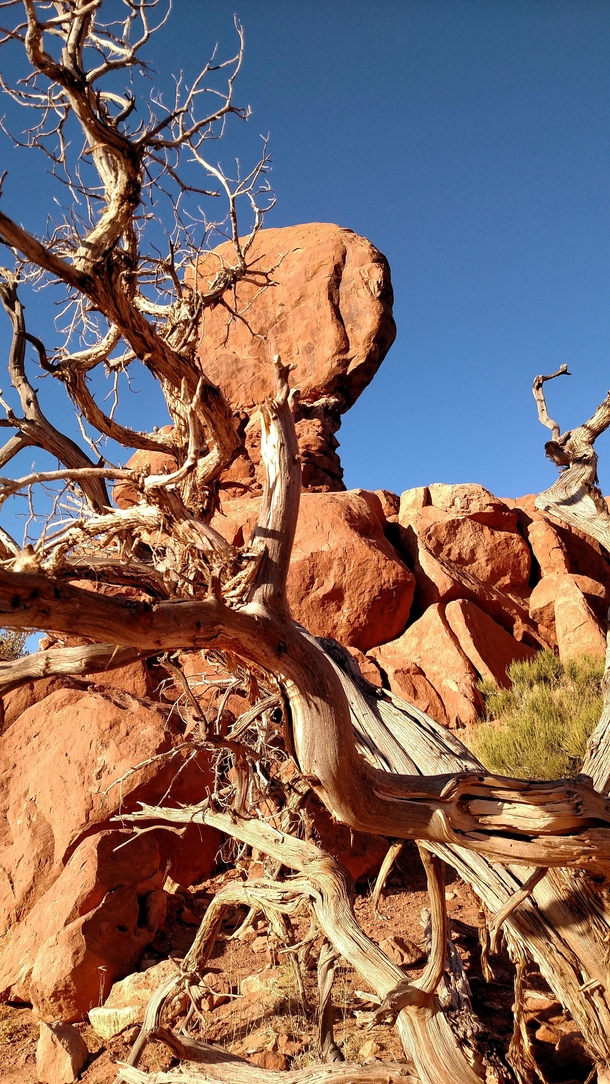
(345, 580)
(329, 313)
(367, 666)
(236, 519)
(77, 743)
(411, 502)
(497, 557)
(89, 929)
(406, 679)
(494, 558)
(542, 598)
(474, 501)
(390, 502)
(125, 495)
(432, 646)
(489, 647)
(547, 547)
(61, 1053)
(577, 628)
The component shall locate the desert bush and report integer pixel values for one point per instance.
(538, 729)
(12, 644)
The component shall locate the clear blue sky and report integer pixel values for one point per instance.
(470, 141)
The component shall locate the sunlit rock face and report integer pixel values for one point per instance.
(319, 296)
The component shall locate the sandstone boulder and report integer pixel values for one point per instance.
(486, 644)
(474, 501)
(124, 494)
(544, 594)
(60, 765)
(408, 680)
(547, 547)
(61, 1053)
(577, 629)
(433, 647)
(128, 998)
(345, 580)
(328, 312)
(89, 928)
(494, 556)
(584, 555)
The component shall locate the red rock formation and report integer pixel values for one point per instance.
(57, 762)
(327, 309)
(577, 628)
(486, 644)
(544, 594)
(346, 580)
(432, 646)
(101, 912)
(328, 312)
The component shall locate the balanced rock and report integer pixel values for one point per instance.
(328, 312)
(319, 296)
(61, 1053)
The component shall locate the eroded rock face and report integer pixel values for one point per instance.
(60, 767)
(488, 646)
(328, 313)
(89, 928)
(432, 646)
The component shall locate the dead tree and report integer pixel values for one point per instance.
(377, 764)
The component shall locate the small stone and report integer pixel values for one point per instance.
(259, 1040)
(546, 1034)
(259, 944)
(289, 1046)
(450, 895)
(535, 1002)
(254, 983)
(402, 950)
(110, 1022)
(368, 1050)
(61, 1053)
(271, 1059)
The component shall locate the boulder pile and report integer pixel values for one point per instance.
(432, 591)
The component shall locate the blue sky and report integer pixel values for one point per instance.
(469, 140)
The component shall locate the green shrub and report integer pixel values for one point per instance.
(538, 729)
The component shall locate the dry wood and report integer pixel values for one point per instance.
(224, 1068)
(575, 498)
(377, 764)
